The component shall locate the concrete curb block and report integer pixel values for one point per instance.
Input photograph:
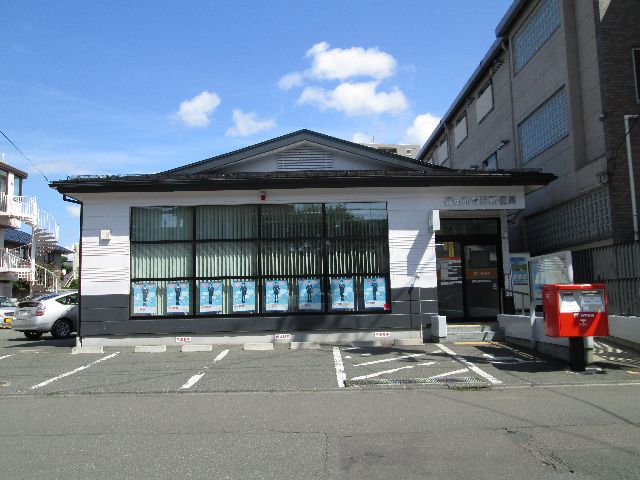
(408, 341)
(196, 348)
(304, 346)
(150, 349)
(77, 350)
(257, 346)
(373, 343)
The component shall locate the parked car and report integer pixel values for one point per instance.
(7, 312)
(54, 312)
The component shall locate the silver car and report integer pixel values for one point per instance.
(7, 312)
(54, 312)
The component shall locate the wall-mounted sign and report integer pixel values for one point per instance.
(375, 293)
(211, 296)
(309, 294)
(145, 298)
(549, 269)
(479, 200)
(433, 221)
(342, 293)
(244, 295)
(276, 295)
(178, 297)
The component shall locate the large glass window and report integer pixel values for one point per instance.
(545, 127)
(535, 31)
(266, 259)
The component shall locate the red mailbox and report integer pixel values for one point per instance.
(575, 310)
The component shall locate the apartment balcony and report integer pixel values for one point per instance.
(15, 267)
(15, 210)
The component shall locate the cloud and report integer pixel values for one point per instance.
(247, 124)
(290, 80)
(360, 137)
(73, 210)
(423, 126)
(355, 99)
(195, 112)
(342, 64)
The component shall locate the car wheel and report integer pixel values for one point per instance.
(61, 329)
(32, 334)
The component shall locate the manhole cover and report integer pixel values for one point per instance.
(4, 384)
(416, 381)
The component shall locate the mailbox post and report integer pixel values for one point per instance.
(575, 311)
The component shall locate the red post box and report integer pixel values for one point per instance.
(575, 310)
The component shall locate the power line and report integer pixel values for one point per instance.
(23, 154)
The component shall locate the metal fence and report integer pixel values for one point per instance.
(618, 267)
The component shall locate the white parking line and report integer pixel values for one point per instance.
(403, 357)
(47, 382)
(469, 365)
(6, 356)
(337, 360)
(455, 372)
(377, 374)
(193, 380)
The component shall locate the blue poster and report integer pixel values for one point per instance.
(211, 296)
(375, 292)
(145, 298)
(276, 295)
(178, 297)
(244, 295)
(342, 293)
(309, 294)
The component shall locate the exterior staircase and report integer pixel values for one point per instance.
(15, 210)
(475, 332)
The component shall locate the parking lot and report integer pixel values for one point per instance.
(46, 367)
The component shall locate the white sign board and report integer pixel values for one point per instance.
(549, 269)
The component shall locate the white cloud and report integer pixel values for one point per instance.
(247, 124)
(355, 99)
(423, 126)
(290, 80)
(195, 112)
(360, 137)
(73, 210)
(341, 64)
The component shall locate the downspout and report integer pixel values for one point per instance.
(632, 183)
(78, 202)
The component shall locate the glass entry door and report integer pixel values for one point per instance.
(468, 279)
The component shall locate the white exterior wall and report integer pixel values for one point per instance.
(106, 264)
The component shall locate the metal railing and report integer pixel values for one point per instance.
(507, 290)
(46, 279)
(15, 263)
(47, 223)
(19, 206)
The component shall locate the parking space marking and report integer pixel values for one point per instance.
(469, 365)
(47, 382)
(337, 360)
(403, 357)
(508, 360)
(455, 372)
(193, 380)
(6, 356)
(377, 374)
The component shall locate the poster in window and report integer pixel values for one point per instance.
(375, 293)
(211, 296)
(342, 293)
(309, 294)
(276, 295)
(244, 295)
(178, 297)
(145, 298)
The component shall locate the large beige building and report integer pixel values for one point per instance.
(555, 93)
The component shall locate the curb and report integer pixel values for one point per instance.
(257, 346)
(150, 348)
(77, 350)
(196, 348)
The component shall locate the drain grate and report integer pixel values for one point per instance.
(416, 381)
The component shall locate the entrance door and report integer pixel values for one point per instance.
(481, 281)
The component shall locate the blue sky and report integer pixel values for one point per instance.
(89, 87)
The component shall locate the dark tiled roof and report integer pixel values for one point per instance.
(23, 238)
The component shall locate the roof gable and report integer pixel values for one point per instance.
(301, 150)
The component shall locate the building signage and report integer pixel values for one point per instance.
(211, 296)
(342, 293)
(178, 297)
(244, 295)
(480, 201)
(375, 293)
(276, 295)
(549, 269)
(145, 298)
(309, 295)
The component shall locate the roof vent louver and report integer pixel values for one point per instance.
(304, 159)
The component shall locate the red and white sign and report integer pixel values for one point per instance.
(183, 339)
(382, 334)
(283, 336)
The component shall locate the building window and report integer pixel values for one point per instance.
(460, 131)
(484, 104)
(544, 127)
(17, 186)
(442, 152)
(636, 71)
(266, 259)
(409, 151)
(535, 31)
(491, 162)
